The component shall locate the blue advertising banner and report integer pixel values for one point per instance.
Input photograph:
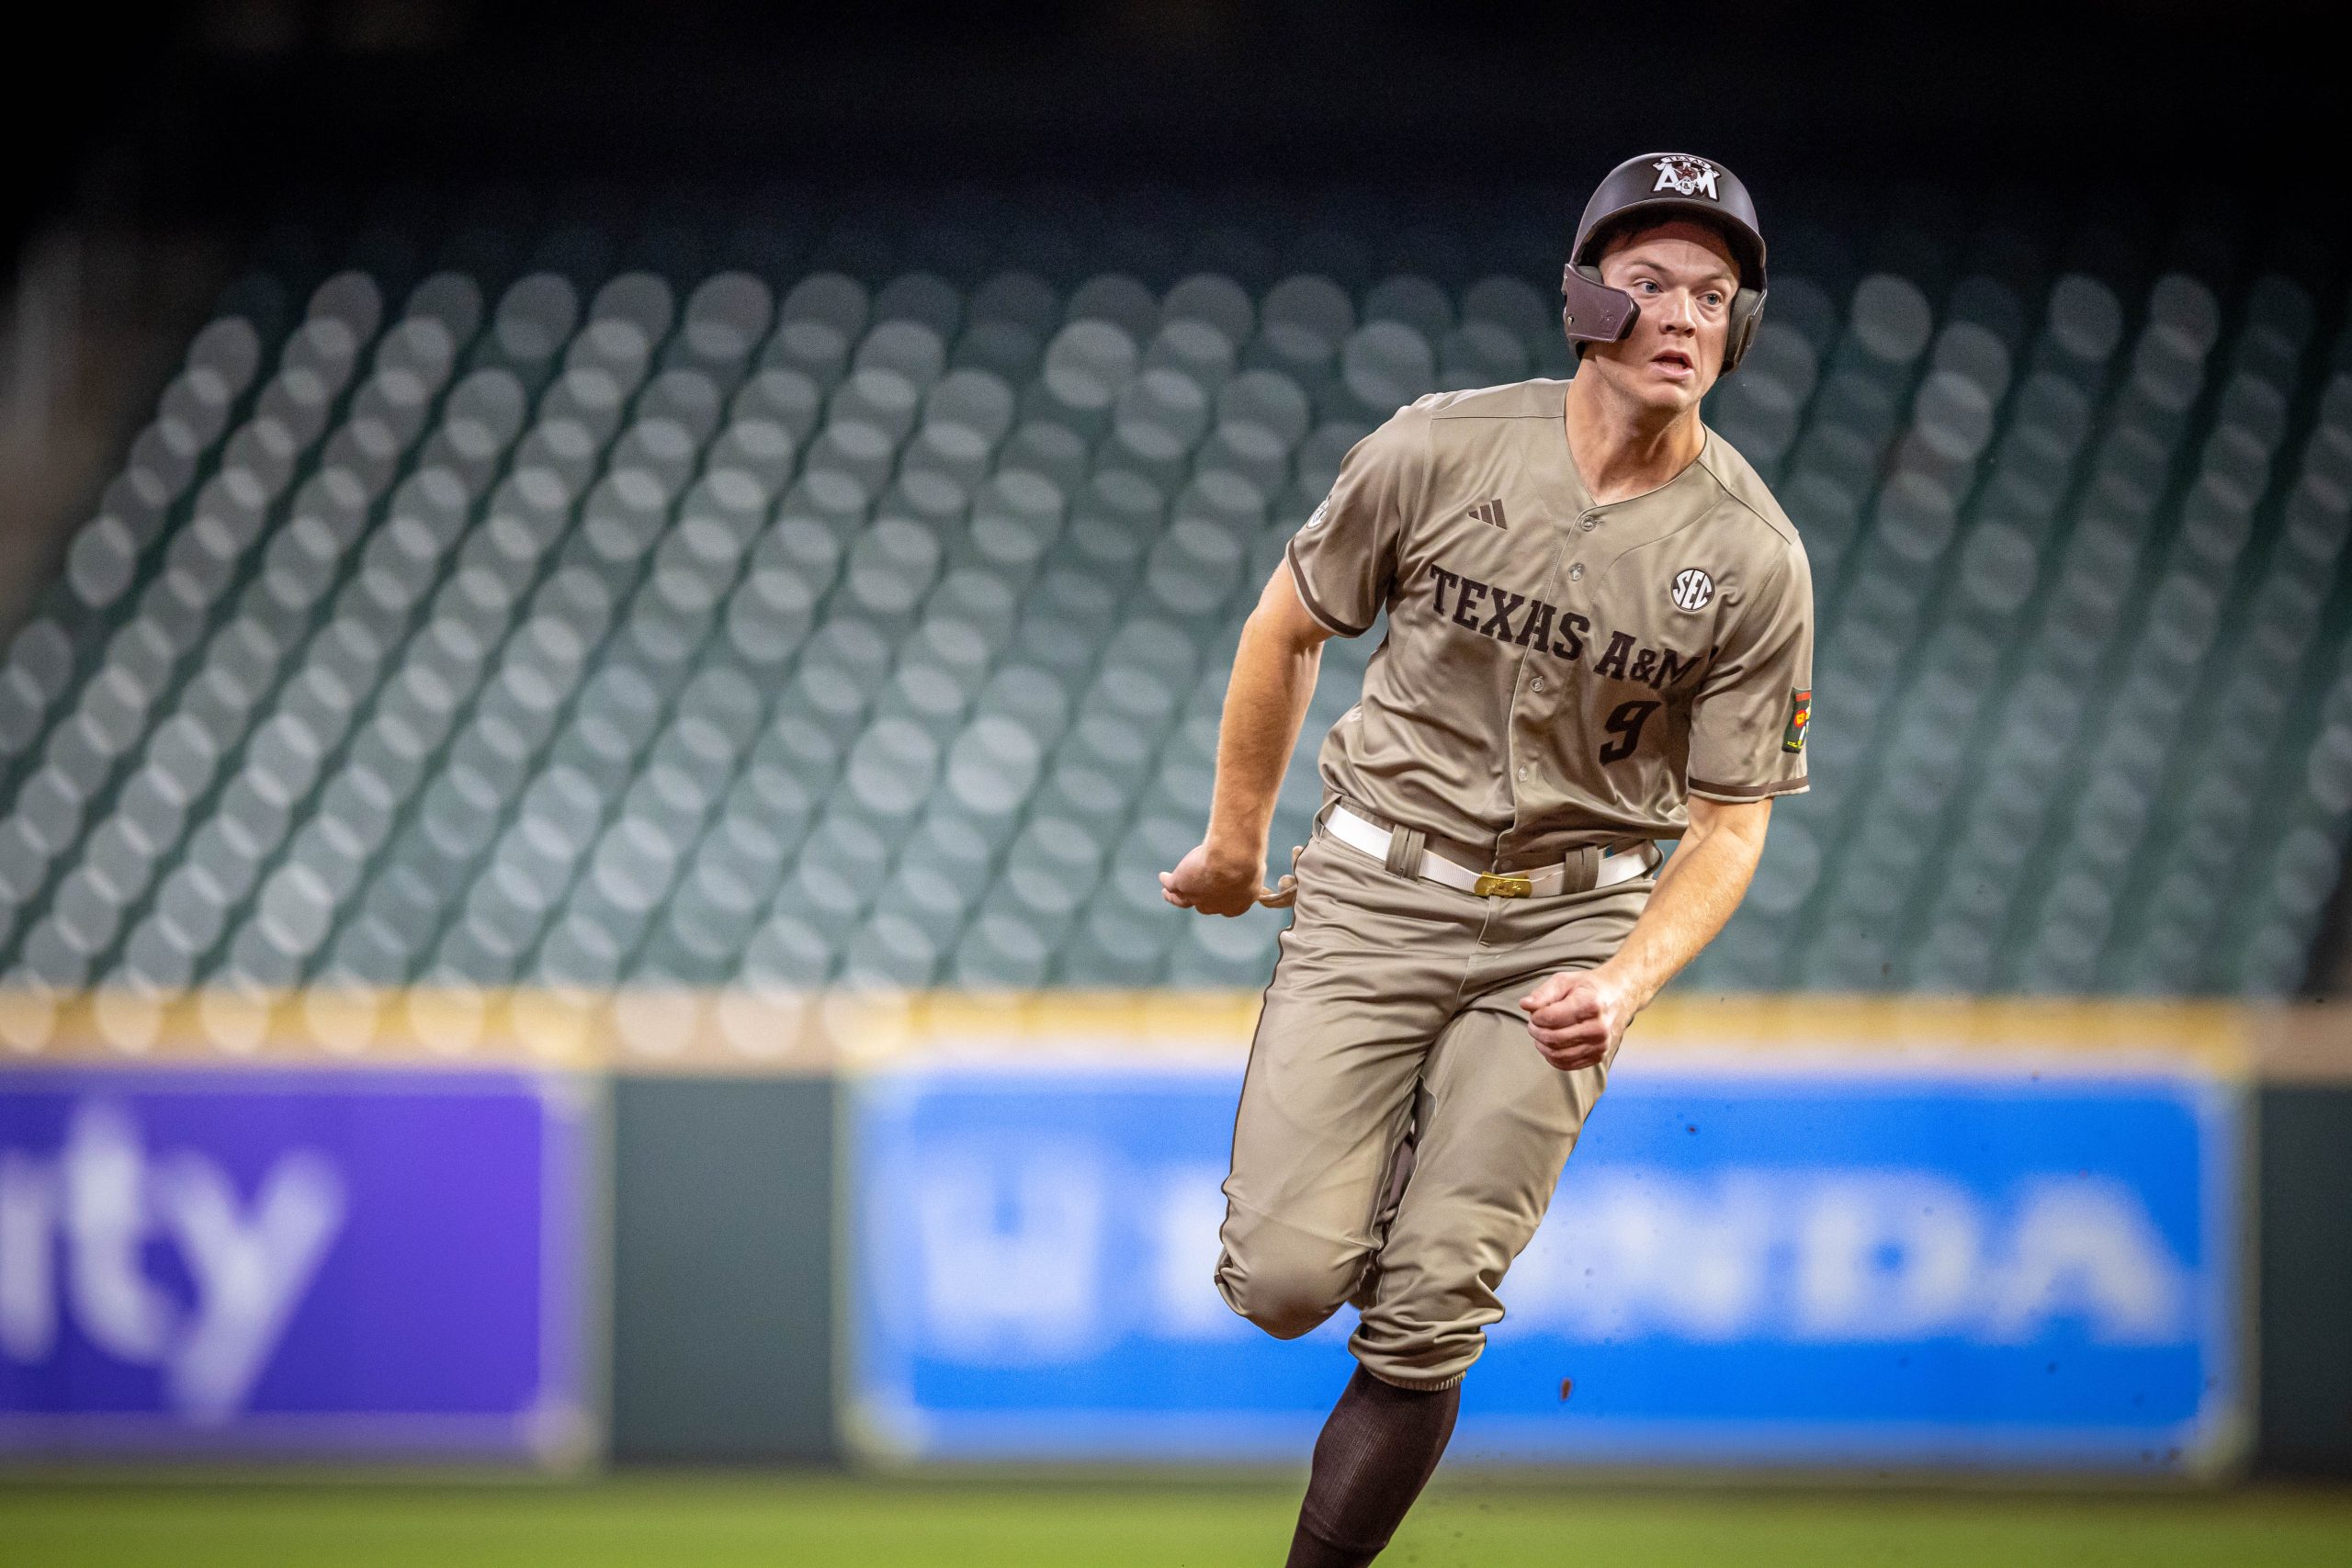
(1972, 1268)
(340, 1262)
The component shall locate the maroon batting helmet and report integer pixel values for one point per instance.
(1655, 187)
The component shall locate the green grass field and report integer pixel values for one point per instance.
(789, 1521)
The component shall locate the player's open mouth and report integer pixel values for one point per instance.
(1674, 362)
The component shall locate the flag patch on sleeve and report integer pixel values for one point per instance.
(1799, 716)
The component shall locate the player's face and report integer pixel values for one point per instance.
(1683, 277)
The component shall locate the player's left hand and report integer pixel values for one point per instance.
(1577, 1017)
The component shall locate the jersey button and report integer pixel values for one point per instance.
(1575, 572)
(1523, 770)
(1536, 684)
(1589, 524)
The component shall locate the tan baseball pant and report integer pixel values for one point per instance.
(1399, 1134)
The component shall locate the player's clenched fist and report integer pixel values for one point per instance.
(1215, 883)
(1576, 1018)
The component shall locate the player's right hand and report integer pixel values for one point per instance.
(1216, 883)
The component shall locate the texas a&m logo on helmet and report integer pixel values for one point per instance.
(1686, 176)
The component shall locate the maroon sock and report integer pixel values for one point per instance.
(1375, 1454)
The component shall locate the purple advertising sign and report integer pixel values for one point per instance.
(343, 1263)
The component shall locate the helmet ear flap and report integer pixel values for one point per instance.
(1747, 310)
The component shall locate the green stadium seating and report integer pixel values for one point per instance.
(861, 617)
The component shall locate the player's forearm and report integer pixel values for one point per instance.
(1265, 704)
(1699, 887)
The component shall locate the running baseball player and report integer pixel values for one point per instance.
(1600, 637)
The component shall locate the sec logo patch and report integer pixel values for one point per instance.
(1692, 590)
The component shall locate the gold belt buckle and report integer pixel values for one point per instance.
(1492, 887)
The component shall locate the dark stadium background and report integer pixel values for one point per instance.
(212, 109)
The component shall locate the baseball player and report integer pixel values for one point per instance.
(1600, 637)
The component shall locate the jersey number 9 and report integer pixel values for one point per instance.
(1627, 725)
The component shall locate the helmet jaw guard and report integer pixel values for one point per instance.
(1591, 311)
(1659, 186)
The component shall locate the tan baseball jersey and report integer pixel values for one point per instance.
(1557, 672)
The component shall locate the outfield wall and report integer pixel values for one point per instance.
(546, 1229)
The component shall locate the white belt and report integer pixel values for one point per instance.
(1372, 838)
